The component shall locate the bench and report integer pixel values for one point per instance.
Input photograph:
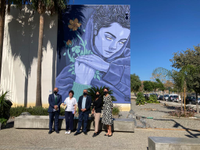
(42, 122)
(173, 143)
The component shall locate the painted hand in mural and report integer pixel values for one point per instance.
(84, 74)
(94, 62)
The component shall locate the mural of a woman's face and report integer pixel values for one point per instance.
(110, 40)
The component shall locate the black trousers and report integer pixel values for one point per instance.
(83, 116)
(51, 118)
(69, 118)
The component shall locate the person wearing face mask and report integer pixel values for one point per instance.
(97, 107)
(84, 104)
(107, 112)
(54, 109)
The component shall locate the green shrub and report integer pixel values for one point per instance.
(92, 92)
(140, 99)
(16, 111)
(3, 121)
(5, 106)
(115, 110)
(152, 99)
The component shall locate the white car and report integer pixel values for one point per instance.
(176, 99)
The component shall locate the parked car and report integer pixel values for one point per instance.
(193, 101)
(198, 100)
(179, 97)
(170, 98)
(190, 99)
(175, 98)
(154, 94)
(166, 97)
(160, 97)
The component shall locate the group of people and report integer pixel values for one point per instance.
(84, 109)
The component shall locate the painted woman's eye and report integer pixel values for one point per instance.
(122, 42)
(108, 38)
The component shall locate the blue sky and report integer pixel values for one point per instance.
(158, 29)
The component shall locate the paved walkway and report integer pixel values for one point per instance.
(161, 118)
(21, 139)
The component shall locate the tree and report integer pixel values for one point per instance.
(188, 57)
(169, 84)
(135, 83)
(160, 86)
(41, 6)
(148, 86)
(155, 86)
(162, 74)
(179, 80)
(193, 81)
(188, 62)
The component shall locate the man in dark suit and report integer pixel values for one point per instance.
(84, 104)
(55, 101)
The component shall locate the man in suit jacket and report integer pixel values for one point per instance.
(55, 101)
(84, 104)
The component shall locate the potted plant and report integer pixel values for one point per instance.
(92, 92)
(115, 112)
(5, 106)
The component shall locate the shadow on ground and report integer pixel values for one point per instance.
(188, 130)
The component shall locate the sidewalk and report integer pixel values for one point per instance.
(20, 139)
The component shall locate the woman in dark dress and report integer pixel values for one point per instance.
(97, 107)
(107, 112)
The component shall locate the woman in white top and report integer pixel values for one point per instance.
(70, 103)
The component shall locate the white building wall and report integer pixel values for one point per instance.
(19, 64)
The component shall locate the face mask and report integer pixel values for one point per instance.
(55, 92)
(84, 93)
(97, 95)
(105, 93)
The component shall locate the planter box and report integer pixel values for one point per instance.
(173, 143)
(42, 122)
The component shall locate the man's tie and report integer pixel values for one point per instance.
(56, 99)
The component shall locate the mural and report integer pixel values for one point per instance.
(94, 50)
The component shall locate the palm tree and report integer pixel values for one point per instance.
(54, 6)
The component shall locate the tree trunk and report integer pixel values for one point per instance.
(39, 72)
(163, 95)
(184, 99)
(2, 21)
(181, 101)
(197, 103)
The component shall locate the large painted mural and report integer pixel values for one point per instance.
(94, 50)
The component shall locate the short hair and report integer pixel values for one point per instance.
(71, 91)
(106, 88)
(85, 89)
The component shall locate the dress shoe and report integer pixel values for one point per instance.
(57, 131)
(50, 132)
(105, 134)
(85, 133)
(109, 135)
(95, 134)
(77, 133)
